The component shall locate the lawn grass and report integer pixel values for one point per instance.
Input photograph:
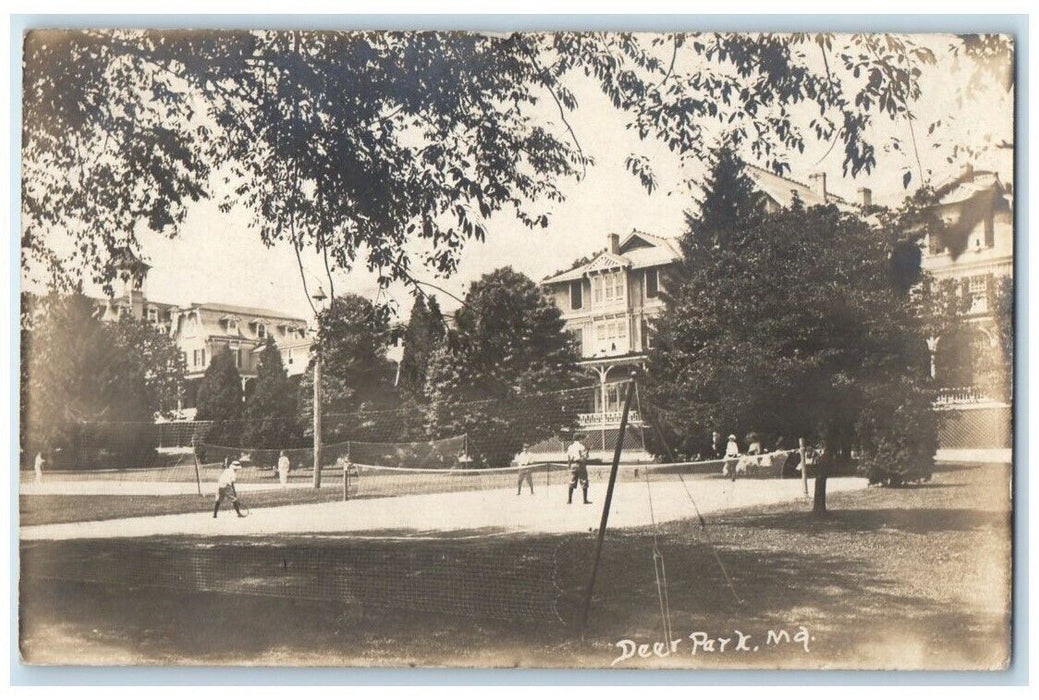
(890, 578)
(45, 510)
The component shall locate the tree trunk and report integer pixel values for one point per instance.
(821, 472)
(819, 503)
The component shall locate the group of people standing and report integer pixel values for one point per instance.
(577, 465)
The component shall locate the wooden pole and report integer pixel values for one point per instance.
(317, 420)
(346, 481)
(804, 464)
(609, 499)
(198, 475)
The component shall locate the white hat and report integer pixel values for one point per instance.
(236, 464)
(732, 437)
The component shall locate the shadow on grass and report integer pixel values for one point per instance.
(918, 521)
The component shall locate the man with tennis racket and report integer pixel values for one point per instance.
(226, 488)
(577, 461)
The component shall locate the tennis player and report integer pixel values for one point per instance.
(526, 472)
(577, 460)
(226, 488)
(283, 468)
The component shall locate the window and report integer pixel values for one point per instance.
(261, 331)
(934, 244)
(608, 288)
(647, 336)
(978, 290)
(575, 294)
(153, 315)
(652, 283)
(611, 336)
(577, 337)
(232, 325)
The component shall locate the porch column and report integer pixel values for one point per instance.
(603, 373)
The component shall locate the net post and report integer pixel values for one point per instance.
(607, 501)
(346, 480)
(804, 465)
(198, 475)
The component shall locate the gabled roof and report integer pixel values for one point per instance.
(967, 185)
(606, 261)
(244, 311)
(124, 257)
(637, 250)
(781, 189)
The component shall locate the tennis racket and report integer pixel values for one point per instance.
(242, 508)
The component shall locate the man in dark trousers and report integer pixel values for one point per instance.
(226, 489)
(577, 460)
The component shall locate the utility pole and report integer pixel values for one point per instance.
(317, 419)
(319, 297)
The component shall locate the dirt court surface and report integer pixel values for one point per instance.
(499, 510)
(913, 578)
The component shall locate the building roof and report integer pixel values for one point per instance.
(124, 257)
(968, 184)
(781, 189)
(637, 250)
(255, 311)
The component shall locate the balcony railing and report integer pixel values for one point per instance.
(607, 419)
(961, 395)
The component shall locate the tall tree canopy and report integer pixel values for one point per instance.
(269, 419)
(356, 376)
(795, 327)
(353, 143)
(494, 379)
(425, 333)
(220, 399)
(91, 389)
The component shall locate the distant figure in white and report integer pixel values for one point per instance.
(38, 467)
(732, 456)
(283, 468)
(577, 460)
(226, 488)
(526, 472)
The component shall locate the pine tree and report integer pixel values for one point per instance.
(424, 335)
(220, 399)
(730, 203)
(269, 419)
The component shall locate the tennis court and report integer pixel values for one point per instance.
(637, 502)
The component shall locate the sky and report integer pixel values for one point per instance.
(216, 257)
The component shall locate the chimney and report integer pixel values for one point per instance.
(615, 243)
(865, 197)
(818, 181)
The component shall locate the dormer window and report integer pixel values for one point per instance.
(576, 301)
(232, 325)
(652, 283)
(261, 331)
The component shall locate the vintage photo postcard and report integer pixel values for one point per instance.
(585, 350)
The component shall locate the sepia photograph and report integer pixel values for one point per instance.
(516, 349)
